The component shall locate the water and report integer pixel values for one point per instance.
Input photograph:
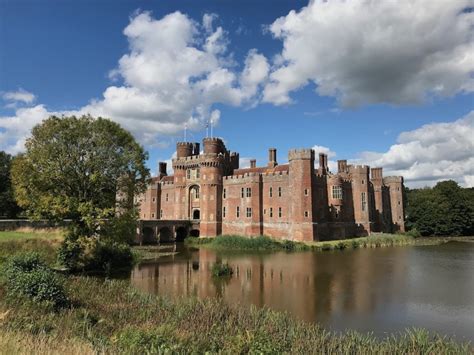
(382, 290)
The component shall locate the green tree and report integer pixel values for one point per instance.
(76, 168)
(446, 209)
(8, 206)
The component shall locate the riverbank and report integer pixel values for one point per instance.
(262, 243)
(112, 317)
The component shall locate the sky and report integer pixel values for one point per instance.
(384, 83)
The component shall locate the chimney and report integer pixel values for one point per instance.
(272, 158)
(341, 166)
(377, 173)
(253, 163)
(162, 169)
(323, 163)
(196, 149)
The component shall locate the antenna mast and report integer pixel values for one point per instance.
(185, 131)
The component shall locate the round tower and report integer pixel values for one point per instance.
(184, 149)
(213, 146)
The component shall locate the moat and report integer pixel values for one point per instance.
(382, 290)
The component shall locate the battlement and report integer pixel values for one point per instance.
(393, 180)
(300, 154)
(359, 169)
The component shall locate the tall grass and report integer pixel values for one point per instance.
(262, 243)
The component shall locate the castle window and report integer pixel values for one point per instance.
(271, 212)
(154, 199)
(195, 193)
(271, 191)
(188, 174)
(264, 211)
(166, 197)
(152, 215)
(337, 192)
(306, 214)
(198, 173)
(362, 182)
(223, 212)
(306, 192)
(224, 193)
(161, 213)
(237, 212)
(399, 203)
(279, 212)
(242, 193)
(279, 191)
(249, 212)
(249, 192)
(363, 201)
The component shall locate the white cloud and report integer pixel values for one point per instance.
(321, 149)
(431, 153)
(175, 71)
(365, 52)
(19, 96)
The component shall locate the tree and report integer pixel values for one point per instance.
(8, 206)
(446, 209)
(75, 167)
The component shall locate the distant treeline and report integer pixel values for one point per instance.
(444, 210)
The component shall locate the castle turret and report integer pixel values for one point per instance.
(184, 149)
(301, 175)
(377, 185)
(360, 191)
(395, 185)
(212, 171)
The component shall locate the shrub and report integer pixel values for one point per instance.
(219, 270)
(93, 254)
(413, 233)
(27, 276)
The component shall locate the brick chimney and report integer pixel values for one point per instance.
(272, 157)
(253, 163)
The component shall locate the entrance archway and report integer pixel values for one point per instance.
(181, 233)
(196, 214)
(166, 235)
(194, 233)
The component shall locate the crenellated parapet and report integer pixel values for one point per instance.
(392, 180)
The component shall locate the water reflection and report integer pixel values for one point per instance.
(379, 290)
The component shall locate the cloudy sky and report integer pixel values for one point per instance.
(386, 83)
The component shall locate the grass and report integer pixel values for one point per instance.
(262, 243)
(110, 316)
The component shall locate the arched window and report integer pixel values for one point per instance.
(195, 192)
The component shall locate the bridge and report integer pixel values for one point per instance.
(161, 231)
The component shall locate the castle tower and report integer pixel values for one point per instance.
(395, 185)
(212, 170)
(335, 197)
(377, 184)
(360, 192)
(184, 150)
(301, 176)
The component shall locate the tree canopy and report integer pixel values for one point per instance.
(75, 167)
(8, 206)
(446, 209)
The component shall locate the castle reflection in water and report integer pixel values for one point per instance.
(311, 286)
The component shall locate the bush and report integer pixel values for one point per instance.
(27, 276)
(219, 270)
(414, 233)
(93, 254)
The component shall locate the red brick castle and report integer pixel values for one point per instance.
(296, 201)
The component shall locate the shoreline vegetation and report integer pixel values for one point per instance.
(263, 243)
(110, 316)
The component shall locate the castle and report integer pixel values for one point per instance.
(296, 201)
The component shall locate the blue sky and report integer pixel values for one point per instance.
(330, 77)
